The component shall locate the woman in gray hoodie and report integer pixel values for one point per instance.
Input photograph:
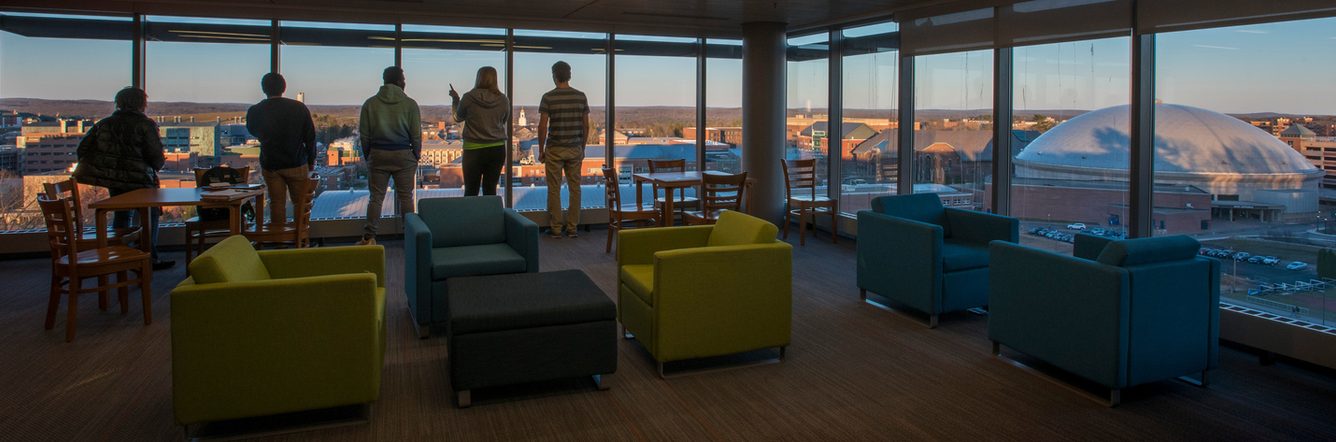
(484, 112)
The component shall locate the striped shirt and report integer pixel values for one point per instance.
(566, 109)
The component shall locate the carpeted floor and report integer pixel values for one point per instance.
(854, 372)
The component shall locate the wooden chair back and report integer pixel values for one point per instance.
(61, 230)
(723, 192)
(303, 207)
(612, 188)
(68, 189)
(203, 179)
(679, 165)
(799, 175)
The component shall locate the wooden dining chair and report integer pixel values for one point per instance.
(297, 233)
(681, 202)
(211, 223)
(70, 265)
(87, 237)
(720, 192)
(801, 199)
(624, 215)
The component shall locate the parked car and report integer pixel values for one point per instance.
(1270, 260)
(1076, 226)
(1255, 260)
(1098, 231)
(1297, 265)
(1204, 251)
(1240, 256)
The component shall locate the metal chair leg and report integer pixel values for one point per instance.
(603, 381)
(464, 398)
(932, 321)
(997, 348)
(1115, 397)
(862, 294)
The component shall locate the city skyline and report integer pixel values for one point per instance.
(222, 73)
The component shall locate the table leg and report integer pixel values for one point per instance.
(145, 230)
(259, 211)
(640, 188)
(668, 208)
(234, 218)
(100, 221)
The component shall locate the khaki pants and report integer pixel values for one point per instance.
(283, 183)
(560, 161)
(381, 166)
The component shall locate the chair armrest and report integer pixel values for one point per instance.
(417, 267)
(1066, 311)
(900, 257)
(639, 246)
(322, 261)
(274, 346)
(522, 235)
(982, 227)
(708, 299)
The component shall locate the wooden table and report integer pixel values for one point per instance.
(142, 200)
(669, 181)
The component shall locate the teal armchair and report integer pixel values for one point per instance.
(699, 291)
(930, 258)
(1119, 313)
(467, 236)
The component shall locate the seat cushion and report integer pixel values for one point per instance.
(736, 228)
(957, 256)
(232, 260)
(640, 279)
(921, 207)
(485, 259)
(525, 300)
(463, 221)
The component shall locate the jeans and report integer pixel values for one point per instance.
(482, 166)
(122, 219)
(556, 162)
(283, 183)
(383, 165)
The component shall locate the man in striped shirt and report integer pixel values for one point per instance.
(563, 130)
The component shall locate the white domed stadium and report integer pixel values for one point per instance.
(1219, 154)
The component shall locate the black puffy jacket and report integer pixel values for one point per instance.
(122, 151)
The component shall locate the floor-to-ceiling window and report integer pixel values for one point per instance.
(438, 57)
(953, 126)
(535, 53)
(58, 75)
(334, 68)
(868, 166)
(1069, 140)
(808, 90)
(723, 105)
(656, 101)
(1245, 152)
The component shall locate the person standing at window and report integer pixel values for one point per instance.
(287, 145)
(484, 112)
(390, 131)
(123, 153)
(563, 130)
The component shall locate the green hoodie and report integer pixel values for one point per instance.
(390, 121)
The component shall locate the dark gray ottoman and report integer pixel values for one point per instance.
(528, 327)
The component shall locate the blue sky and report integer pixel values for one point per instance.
(1280, 67)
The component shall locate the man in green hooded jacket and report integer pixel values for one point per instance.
(390, 131)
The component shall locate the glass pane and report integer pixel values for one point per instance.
(49, 99)
(723, 101)
(334, 68)
(536, 52)
(953, 124)
(1248, 170)
(808, 90)
(1069, 141)
(871, 123)
(439, 57)
(656, 100)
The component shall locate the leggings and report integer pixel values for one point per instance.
(482, 169)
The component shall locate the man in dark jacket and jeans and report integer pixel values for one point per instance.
(287, 145)
(123, 152)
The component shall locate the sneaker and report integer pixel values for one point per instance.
(572, 234)
(556, 233)
(163, 265)
(368, 241)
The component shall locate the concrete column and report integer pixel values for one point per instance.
(763, 115)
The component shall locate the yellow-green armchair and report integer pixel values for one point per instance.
(701, 291)
(264, 333)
